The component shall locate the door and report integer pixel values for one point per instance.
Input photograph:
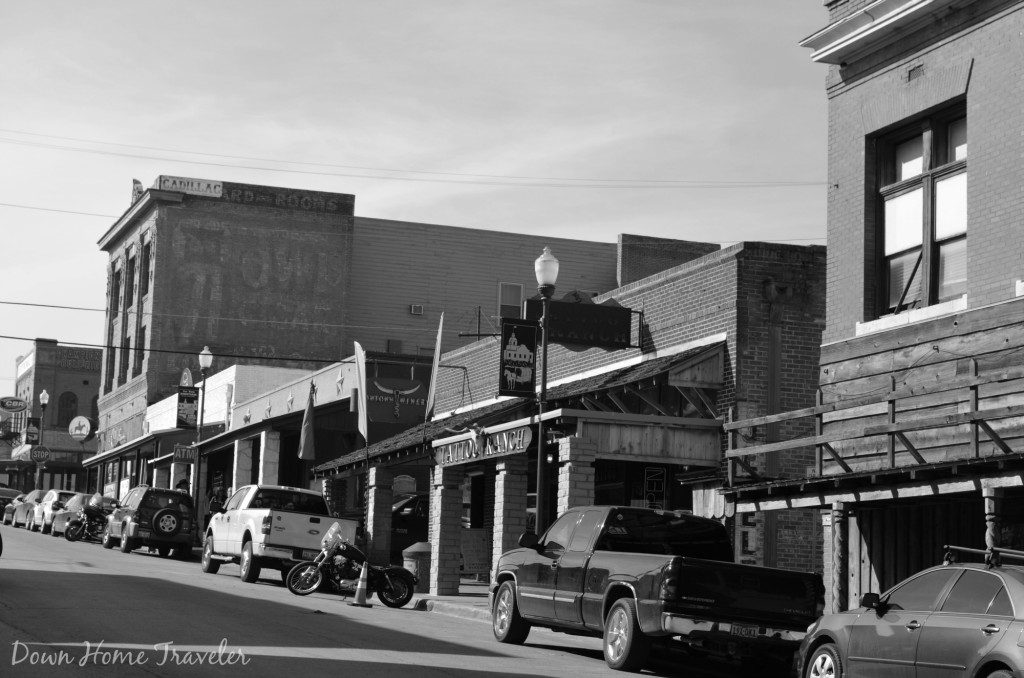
(965, 628)
(885, 645)
(232, 517)
(538, 572)
(572, 568)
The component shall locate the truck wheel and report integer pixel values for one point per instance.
(506, 622)
(625, 645)
(825, 663)
(210, 564)
(249, 569)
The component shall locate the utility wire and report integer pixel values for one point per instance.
(464, 177)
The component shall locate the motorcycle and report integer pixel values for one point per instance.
(90, 523)
(340, 564)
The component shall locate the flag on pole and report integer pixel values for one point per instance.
(432, 391)
(364, 420)
(306, 447)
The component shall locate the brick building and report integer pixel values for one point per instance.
(70, 376)
(290, 278)
(918, 418)
(733, 330)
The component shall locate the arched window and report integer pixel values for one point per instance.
(67, 408)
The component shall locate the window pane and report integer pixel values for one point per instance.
(951, 206)
(920, 593)
(1001, 605)
(958, 139)
(510, 300)
(909, 159)
(903, 221)
(972, 593)
(900, 269)
(952, 269)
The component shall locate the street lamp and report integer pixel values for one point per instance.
(205, 361)
(546, 268)
(44, 400)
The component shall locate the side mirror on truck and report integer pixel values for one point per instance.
(528, 540)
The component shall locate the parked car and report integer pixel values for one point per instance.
(23, 512)
(68, 512)
(636, 575)
(272, 526)
(42, 514)
(409, 522)
(9, 508)
(156, 517)
(957, 619)
(7, 495)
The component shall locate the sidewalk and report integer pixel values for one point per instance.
(471, 603)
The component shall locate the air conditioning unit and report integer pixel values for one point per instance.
(416, 309)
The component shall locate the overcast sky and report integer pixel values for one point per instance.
(692, 119)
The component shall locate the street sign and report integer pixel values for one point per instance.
(12, 404)
(39, 454)
(185, 454)
(80, 429)
(32, 431)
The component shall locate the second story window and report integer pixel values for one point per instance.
(129, 284)
(147, 250)
(510, 300)
(67, 408)
(923, 179)
(115, 292)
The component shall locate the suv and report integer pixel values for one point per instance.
(156, 517)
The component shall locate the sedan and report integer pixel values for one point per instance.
(958, 619)
(64, 515)
(42, 514)
(24, 512)
(9, 508)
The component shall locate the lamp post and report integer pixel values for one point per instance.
(546, 269)
(44, 400)
(205, 361)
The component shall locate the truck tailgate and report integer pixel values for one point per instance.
(745, 593)
(297, 530)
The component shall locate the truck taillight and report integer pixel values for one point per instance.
(670, 580)
(265, 529)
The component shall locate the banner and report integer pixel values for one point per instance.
(306, 439)
(432, 391)
(188, 407)
(364, 419)
(518, 363)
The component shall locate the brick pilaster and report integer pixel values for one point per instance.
(575, 473)
(445, 530)
(378, 514)
(509, 504)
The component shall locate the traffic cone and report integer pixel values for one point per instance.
(360, 600)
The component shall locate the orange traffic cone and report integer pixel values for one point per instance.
(360, 600)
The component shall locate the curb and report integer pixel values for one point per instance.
(453, 609)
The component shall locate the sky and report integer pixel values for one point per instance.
(692, 119)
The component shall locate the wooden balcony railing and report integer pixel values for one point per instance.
(956, 411)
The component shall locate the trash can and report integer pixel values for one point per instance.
(417, 560)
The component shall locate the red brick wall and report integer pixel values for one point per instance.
(978, 49)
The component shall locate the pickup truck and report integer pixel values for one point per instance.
(634, 575)
(270, 526)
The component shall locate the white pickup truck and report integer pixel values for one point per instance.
(269, 526)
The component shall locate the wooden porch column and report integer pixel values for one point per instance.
(993, 498)
(840, 557)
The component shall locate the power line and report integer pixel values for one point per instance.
(463, 178)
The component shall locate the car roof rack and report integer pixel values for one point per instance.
(993, 554)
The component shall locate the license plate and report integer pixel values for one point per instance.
(143, 533)
(744, 631)
(309, 555)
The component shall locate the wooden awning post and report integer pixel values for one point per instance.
(839, 557)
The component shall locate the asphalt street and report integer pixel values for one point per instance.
(76, 609)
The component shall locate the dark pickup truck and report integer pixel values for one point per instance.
(633, 575)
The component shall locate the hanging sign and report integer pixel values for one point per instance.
(81, 429)
(12, 404)
(188, 407)
(518, 361)
(185, 454)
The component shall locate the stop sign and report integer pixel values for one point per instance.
(39, 453)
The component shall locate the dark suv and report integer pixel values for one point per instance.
(156, 517)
